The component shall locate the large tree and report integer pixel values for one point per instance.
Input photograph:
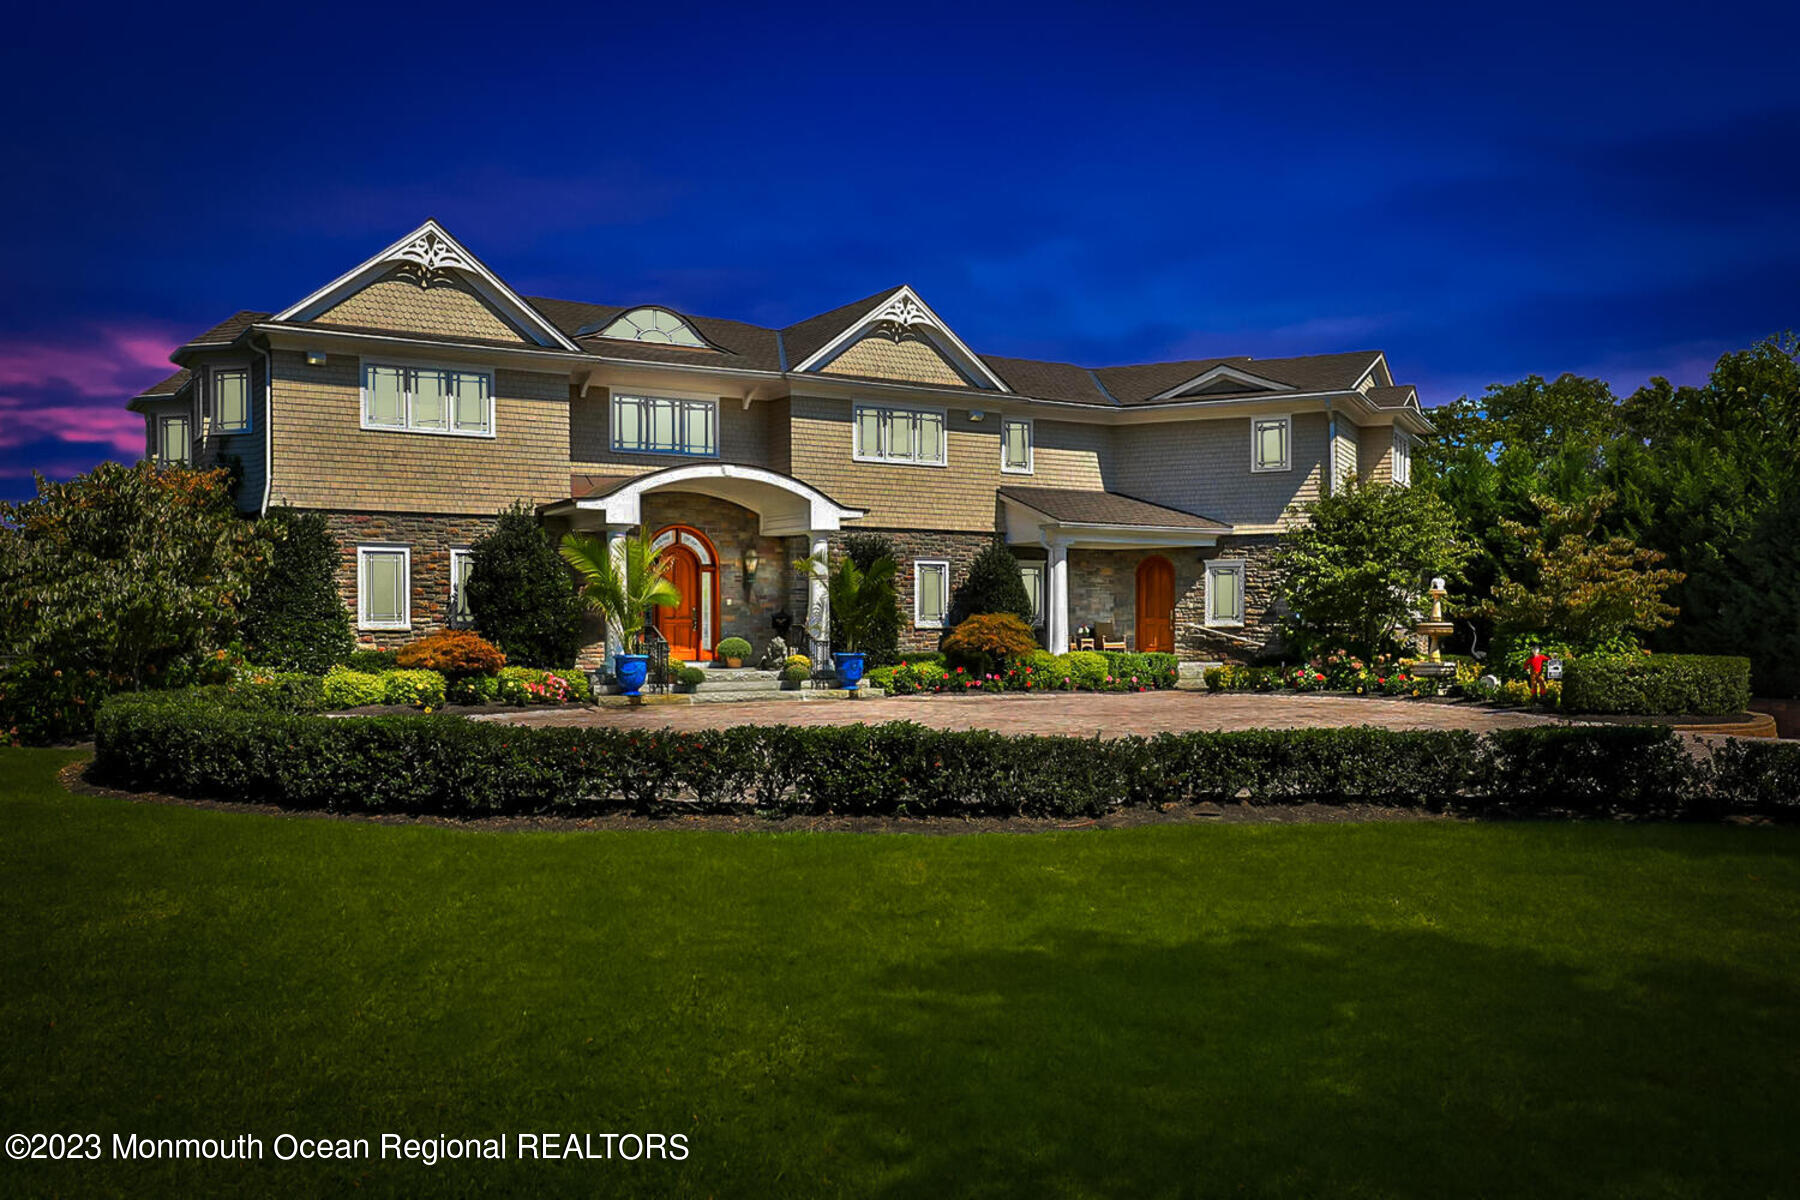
(1357, 570)
(295, 618)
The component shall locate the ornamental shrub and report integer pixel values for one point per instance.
(373, 662)
(294, 618)
(1700, 684)
(1085, 670)
(733, 647)
(689, 677)
(521, 594)
(344, 687)
(453, 653)
(983, 642)
(416, 689)
(796, 672)
(993, 585)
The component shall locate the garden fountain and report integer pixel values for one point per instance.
(1433, 628)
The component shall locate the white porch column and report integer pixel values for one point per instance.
(818, 603)
(1056, 599)
(615, 550)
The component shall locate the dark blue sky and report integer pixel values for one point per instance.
(1483, 192)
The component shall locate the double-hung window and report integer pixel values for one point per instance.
(1225, 592)
(231, 400)
(899, 435)
(383, 587)
(1271, 443)
(1015, 445)
(428, 399)
(172, 443)
(665, 425)
(1402, 457)
(1033, 575)
(931, 594)
(462, 565)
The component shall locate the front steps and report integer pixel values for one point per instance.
(732, 685)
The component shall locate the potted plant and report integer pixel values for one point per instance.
(689, 679)
(859, 600)
(621, 592)
(734, 650)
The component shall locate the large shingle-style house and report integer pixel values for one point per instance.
(415, 396)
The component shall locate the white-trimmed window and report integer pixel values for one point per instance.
(931, 593)
(1033, 575)
(462, 565)
(452, 400)
(1402, 457)
(654, 325)
(383, 587)
(1271, 443)
(1225, 592)
(665, 425)
(1015, 445)
(231, 399)
(172, 442)
(899, 435)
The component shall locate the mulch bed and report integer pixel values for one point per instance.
(74, 778)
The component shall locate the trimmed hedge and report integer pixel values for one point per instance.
(210, 744)
(1701, 684)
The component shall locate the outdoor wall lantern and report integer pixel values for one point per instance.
(750, 565)
(976, 414)
(315, 358)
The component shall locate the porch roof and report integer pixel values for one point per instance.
(1100, 519)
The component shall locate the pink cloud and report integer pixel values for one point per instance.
(76, 391)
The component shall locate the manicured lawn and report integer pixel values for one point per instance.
(1410, 1010)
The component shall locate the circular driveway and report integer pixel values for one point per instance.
(1077, 714)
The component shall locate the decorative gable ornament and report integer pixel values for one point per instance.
(434, 255)
(899, 316)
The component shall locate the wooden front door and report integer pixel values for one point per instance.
(680, 623)
(1156, 605)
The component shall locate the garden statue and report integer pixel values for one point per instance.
(775, 657)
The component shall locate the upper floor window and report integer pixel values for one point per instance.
(654, 325)
(1402, 457)
(1015, 445)
(1271, 443)
(231, 400)
(428, 399)
(901, 435)
(665, 425)
(172, 443)
(931, 593)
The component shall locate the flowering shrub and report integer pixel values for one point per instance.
(1333, 671)
(452, 652)
(1038, 671)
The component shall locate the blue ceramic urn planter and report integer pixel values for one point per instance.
(631, 670)
(849, 668)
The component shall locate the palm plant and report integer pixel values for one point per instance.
(621, 591)
(859, 598)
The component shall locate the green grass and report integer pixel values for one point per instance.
(1408, 1010)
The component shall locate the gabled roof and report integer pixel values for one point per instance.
(1406, 396)
(1310, 373)
(166, 389)
(226, 331)
(806, 338)
(904, 310)
(1079, 507)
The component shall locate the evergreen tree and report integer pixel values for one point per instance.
(295, 618)
(522, 595)
(993, 585)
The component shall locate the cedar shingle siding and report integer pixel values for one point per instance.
(448, 308)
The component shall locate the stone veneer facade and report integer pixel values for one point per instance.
(430, 537)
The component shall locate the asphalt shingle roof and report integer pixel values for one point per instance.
(1075, 506)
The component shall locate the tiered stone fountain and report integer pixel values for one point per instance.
(1433, 628)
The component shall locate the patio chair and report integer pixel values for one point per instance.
(1106, 638)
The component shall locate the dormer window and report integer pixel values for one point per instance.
(657, 325)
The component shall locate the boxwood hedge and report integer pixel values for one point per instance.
(1702, 684)
(212, 744)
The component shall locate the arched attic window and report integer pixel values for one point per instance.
(654, 325)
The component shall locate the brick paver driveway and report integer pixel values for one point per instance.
(1082, 715)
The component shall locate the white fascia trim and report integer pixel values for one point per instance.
(624, 506)
(492, 286)
(1380, 360)
(900, 296)
(1221, 372)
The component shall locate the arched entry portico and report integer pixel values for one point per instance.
(691, 628)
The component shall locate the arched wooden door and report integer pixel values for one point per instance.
(1156, 605)
(680, 624)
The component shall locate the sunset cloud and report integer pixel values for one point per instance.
(74, 392)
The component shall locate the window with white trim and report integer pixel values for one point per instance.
(1402, 457)
(665, 425)
(1015, 445)
(231, 399)
(383, 587)
(462, 565)
(1033, 575)
(899, 435)
(452, 400)
(172, 441)
(1225, 592)
(654, 325)
(931, 594)
(1271, 443)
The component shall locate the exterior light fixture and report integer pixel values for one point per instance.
(315, 358)
(750, 565)
(976, 414)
